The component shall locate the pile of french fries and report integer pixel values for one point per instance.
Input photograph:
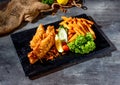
(77, 26)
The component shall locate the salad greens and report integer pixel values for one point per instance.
(49, 2)
(82, 44)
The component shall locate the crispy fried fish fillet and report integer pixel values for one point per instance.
(37, 37)
(41, 45)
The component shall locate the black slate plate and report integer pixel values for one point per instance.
(21, 42)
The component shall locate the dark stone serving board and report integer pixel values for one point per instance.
(21, 42)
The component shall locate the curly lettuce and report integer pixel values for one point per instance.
(49, 2)
(82, 44)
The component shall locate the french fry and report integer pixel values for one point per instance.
(73, 37)
(78, 26)
(88, 21)
(63, 22)
(66, 18)
(70, 26)
(66, 26)
(85, 27)
(90, 30)
(74, 20)
(69, 36)
(78, 30)
(71, 31)
(81, 26)
(90, 25)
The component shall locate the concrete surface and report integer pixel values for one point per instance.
(98, 71)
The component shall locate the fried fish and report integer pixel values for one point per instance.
(41, 43)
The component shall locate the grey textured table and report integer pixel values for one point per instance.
(98, 71)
